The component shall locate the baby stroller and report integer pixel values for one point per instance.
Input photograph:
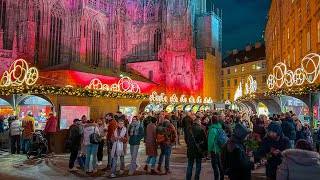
(38, 145)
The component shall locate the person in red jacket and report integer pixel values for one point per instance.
(49, 131)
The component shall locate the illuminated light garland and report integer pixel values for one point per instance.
(174, 99)
(192, 100)
(183, 99)
(19, 73)
(282, 76)
(80, 92)
(251, 85)
(199, 100)
(125, 84)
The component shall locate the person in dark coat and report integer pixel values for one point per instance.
(272, 145)
(239, 163)
(196, 145)
(186, 124)
(289, 129)
(258, 128)
(75, 137)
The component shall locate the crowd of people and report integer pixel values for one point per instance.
(235, 142)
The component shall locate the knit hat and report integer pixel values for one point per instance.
(240, 131)
(275, 127)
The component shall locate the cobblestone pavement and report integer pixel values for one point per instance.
(14, 167)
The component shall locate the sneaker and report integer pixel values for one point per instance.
(99, 163)
(130, 173)
(74, 169)
(121, 172)
(113, 176)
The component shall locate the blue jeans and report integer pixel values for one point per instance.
(190, 167)
(114, 164)
(165, 151)
(25, 145)
(153, 160)
(91, 150)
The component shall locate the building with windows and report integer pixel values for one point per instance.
(169, 46)
(239, 65)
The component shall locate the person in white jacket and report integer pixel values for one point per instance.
(15, 135)
(91, 149)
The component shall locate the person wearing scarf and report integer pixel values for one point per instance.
(136, 134)
(119, 139)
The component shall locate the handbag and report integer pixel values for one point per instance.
(94, 137)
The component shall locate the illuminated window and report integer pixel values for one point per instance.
(228, 71)
(258, 66)
(308, 41)
(235, 82)
(228, 83)
(235, 70)
(242, 81)
(253, 66)
(242, 68)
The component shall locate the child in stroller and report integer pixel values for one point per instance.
(38, 145)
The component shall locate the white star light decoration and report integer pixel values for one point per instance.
(308, 71)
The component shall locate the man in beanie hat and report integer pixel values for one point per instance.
(273, 144)
(166, 137)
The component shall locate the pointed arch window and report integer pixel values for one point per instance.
(3, 13)
(157, 40)
(96, 44)
(151, 14)
(56, 24)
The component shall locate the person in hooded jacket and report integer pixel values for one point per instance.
(240, 165)
(288, 128)
(299, 163)
(272, 145)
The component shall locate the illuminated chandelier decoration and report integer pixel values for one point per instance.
(207, 100)
(308, 71)
(125, 84)
(251, 85)
(192, 100)
(174, 99)
(183, 99)
(18, 74)
(162, 98)
(199, 100)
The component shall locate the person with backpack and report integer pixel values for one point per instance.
(91, 129)
(234, 159)
(196, 149)
(166, 136)
(136, 134)
(217, 138)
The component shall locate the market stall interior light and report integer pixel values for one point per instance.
(19, 73)
(308, 72)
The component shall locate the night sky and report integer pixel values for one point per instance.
(243, 22)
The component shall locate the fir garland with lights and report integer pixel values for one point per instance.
(80, 92)
(246, 97)
(297, 90)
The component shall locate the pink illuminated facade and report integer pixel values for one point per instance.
(166, 42)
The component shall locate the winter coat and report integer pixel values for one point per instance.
(15, 128)
(240, 165)
(259, 129)
(288, 128)
(111, 127)
(198, 139)
(51, 125)
(28, 127)
(308, 136)
(75, 135)
(170, 132)
(266, 146)
(299, 164)
(187, 122)
(151, 143)
(89, 128)
(138, 134)
(119, 147)
(212, 139)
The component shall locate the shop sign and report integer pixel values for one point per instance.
(18, 74)
(307, 72)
